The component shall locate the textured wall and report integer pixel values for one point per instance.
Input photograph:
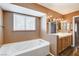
(69, 16)
(14, 36)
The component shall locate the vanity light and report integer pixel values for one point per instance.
(50, 18)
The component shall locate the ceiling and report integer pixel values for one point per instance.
(19, 9)
(62, 8)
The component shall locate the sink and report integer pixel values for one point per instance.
(63, 34)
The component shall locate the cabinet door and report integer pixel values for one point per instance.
(70, 40)
(66, 42)
(59, 45)
(63, 43)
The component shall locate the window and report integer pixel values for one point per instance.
(23, 22)
(19, 22)
(30, 23)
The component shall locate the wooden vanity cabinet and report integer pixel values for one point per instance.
(57, 45)
(63, 43)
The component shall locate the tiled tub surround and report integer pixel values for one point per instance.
(37, 47)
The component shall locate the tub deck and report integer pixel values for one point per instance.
(37, 47)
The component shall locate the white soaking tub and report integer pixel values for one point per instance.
(37, 47)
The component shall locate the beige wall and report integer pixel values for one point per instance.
(1, 28)
(11, 36)
(14, 36)
(69, 16)
(40, 8)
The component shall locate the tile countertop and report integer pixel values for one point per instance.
(61, 34)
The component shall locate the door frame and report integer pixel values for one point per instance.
(74, 30)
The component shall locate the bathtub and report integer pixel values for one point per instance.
(37, 47)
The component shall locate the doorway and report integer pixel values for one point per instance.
(76, 31)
